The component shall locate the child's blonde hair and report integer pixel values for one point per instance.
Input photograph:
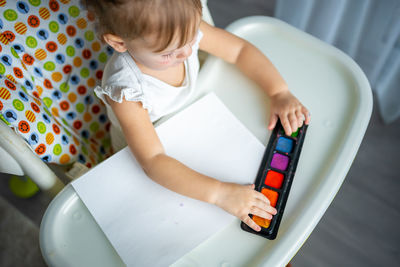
(169, 20)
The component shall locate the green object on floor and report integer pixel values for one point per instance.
(22, 186)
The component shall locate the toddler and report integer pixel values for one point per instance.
(153, 73)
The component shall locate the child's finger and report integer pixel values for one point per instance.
(262, 197)
(293, 122)
(306, 115)
(261, 213)
(260, 205)
(286, 125)
(272, 121)
(300, 118)
(251, 224)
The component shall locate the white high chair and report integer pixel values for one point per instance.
(339, 97)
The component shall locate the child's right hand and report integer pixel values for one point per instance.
(242, 200)
(291, 112)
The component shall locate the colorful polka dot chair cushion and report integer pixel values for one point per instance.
(50, 61)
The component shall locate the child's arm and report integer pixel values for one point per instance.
(255, 65)
(142, 139)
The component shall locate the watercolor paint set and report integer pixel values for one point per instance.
(275, 176)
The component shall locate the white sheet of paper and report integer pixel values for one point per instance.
(149, 225)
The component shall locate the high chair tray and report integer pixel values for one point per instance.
(338, 95)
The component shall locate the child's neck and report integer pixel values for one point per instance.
(173, 76)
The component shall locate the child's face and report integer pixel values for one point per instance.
(173, 55)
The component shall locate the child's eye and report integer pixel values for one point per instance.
(167, 56)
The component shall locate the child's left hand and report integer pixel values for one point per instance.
(289, 110)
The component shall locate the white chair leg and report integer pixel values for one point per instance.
(30, 164)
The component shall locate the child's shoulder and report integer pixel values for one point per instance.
(117, 61)
(119, 81)
(120, 68)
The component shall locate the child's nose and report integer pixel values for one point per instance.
(186, 52)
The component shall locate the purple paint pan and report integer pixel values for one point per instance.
(279, 162)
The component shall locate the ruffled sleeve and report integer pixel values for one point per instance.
(121, 81)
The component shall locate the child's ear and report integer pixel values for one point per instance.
(115, 42)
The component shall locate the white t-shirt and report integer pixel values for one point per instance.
(122, 79)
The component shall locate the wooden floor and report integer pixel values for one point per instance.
(360, 228)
